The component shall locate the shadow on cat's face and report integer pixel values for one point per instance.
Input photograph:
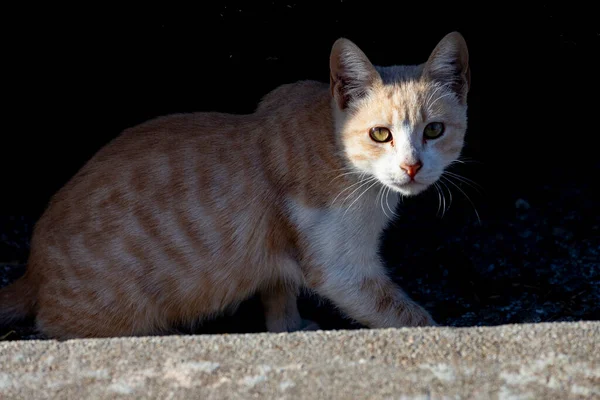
(405, 134)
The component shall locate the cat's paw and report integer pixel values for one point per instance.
(308, 325)
(415, 315)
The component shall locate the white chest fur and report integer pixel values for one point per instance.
(344, 235)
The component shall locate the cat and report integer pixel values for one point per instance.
(185, 216)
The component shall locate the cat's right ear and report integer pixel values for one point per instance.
(351, 73)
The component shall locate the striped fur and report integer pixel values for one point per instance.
(185, 216)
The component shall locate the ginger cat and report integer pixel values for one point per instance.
(185, 216)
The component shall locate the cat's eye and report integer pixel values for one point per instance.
(433, 130)
(380, 134)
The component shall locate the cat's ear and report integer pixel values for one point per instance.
(351, 73)
(448, 64)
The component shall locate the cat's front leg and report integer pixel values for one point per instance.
(280, 304)
(368, 295)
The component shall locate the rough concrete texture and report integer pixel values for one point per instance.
(542, 361)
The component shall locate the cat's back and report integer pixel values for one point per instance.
(289, 99)
(150, 166)
(204, 131)
(172, 161)
(203, 134)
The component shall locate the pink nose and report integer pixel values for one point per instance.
(412, 170)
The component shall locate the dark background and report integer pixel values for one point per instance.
(75, 78)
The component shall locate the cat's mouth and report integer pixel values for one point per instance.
(409, 188)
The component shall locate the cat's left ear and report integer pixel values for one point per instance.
(351, 73)
(448, 64)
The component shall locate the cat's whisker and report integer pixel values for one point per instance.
(465, 161)
(467, 197)
(439, 198)
(430, 96)
(346, 173)
(381, 201)
(365, 182)
(381, 194)
(428, 103)
(360, 181)
(441, 97)
(462, 177)
(345, 169)
(364, 191)
(392, 209)
(469, 159)
(387, 193)
(438, 87)
(477, 187)
(378, 193)
(443, 201)
(437, 190)
(449, 194)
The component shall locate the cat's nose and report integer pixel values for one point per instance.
(412, 169)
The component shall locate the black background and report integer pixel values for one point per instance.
(74, 78)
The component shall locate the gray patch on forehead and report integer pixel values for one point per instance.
(399, 73)
(408, 125)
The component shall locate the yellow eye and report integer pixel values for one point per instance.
(380, 134)
(433, 130)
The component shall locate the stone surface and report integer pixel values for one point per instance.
(559, 360)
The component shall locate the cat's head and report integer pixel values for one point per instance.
(402, 124)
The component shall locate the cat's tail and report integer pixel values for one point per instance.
(17, 300)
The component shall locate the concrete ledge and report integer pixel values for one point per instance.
(545, 361)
